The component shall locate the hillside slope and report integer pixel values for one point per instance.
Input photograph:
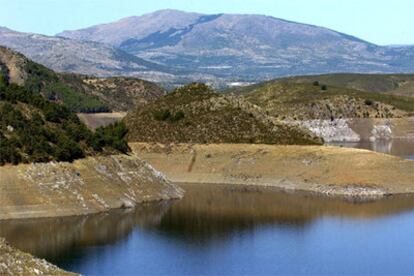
(196, 114)
(122, 93)
(395, 84)
(252, 47)
(34, 129)
(79, 93)
(302, 101)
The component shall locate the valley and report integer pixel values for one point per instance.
(190, 143)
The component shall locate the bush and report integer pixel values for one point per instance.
(178, 116)
(368, 102)
(324, 87)
(166, 115)
(162, 115)
(316, 83)
(110, 136)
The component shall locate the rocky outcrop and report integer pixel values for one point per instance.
(86, 186)
(15, 262)
(360, 129)
(336, 130)
(381, 132)
(331, 171)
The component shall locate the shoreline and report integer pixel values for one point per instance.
(352, 174)
(16, 262)
(86, 186)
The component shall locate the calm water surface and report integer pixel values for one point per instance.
(399, 147)
(219, 229)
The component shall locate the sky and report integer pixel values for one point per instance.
(383, 22)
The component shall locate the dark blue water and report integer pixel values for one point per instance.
(225, 230)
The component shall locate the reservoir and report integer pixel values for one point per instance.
(232, 230)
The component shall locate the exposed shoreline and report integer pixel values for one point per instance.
(90, 185)
(16, 262)
(361, 129)
(331, 171)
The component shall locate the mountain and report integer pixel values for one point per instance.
(97, 59)
(84, 57)
(395, 84)
(244, 47)
(196, 114)
(80, 93)
(289, 99)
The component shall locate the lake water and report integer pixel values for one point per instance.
(399, 147)
(221, 229)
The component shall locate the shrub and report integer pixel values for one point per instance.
(177, 116)
(324, 87)
(316, 83)
(368, 102)
(110, 136)
(162, 115)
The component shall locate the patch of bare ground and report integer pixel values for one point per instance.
(325, 170)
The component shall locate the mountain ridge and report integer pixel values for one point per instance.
(252, 47)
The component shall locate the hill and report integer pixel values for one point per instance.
(196, 114)
(34, 129)
(121, 93)
(80, 93)
(284, 99)
(248, 46)
(395, 84)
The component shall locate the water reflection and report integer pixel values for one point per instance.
(208, 214)
(55, 238)
(399, 147)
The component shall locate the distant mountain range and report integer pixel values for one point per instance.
(175, 46)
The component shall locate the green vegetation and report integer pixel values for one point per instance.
(33, 129)
(57, 88)
(196, 114)
(165, 115)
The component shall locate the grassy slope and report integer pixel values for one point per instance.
(196, 114)
(304, 100)
(396, 84)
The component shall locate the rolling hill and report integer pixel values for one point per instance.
(196, 114)
(79, 93)
(34, 129)
(395, 84)
(286, 99)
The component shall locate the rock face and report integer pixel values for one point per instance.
(248, 46)
(15, 262)
(331, 171)
(86, 186)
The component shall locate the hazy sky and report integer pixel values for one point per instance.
(378, 21)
